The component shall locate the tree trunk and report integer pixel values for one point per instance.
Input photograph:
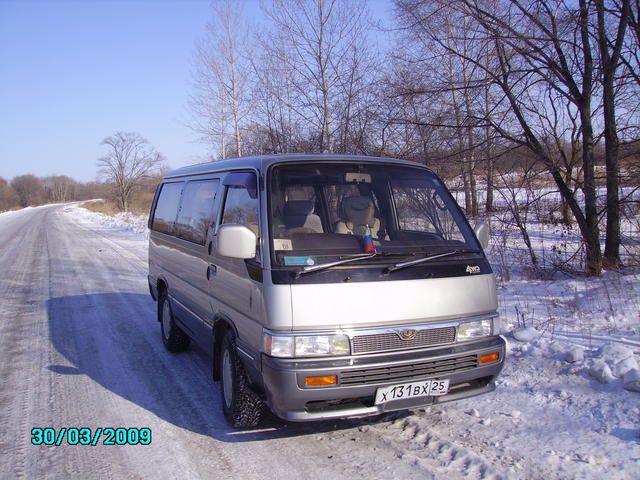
(223, 140)
(592, 239)
(612, 243)
(234, 107)
(325, 142)
(489, 201)
(527, 241)
(487, 138)
(473, 190)
(471, 166)
(236, 126)
(609, 66)
(567, 216)
(467, 191)
(489, 158)
(124, 202)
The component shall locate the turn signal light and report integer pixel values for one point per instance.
(320, 381)
(489, 358)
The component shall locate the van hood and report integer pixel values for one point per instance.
(373, 304)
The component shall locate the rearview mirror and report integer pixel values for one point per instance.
(482, 232)
(236, 241)
(357, 177)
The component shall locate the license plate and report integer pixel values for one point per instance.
(426, 388)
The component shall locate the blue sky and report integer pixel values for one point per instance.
(74, 72)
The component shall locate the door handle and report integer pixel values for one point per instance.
(211, 270)
(209, 247)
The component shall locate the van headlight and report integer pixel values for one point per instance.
(289, 346)
(476, 329)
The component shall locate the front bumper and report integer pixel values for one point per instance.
(360, 376)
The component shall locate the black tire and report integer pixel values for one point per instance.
(241, 405)
(173, 337)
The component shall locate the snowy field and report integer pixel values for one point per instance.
(79, 345)
(561, 409)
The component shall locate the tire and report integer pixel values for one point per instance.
(241, 405)
(173, 337)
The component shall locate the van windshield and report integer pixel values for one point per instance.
(322, 212)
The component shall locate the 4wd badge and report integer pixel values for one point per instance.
(473, 269)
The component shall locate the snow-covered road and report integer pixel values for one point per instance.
(80, 347)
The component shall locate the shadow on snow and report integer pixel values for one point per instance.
(114, 339)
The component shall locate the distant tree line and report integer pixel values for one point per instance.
(30, 191)
(478, 89)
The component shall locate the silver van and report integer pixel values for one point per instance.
(324, 286)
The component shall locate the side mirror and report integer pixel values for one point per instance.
(482, 232)
(236, 241)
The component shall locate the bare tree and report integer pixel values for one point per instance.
(29, 189)
(554, 48)
(221, 77)
(8, 197)
(458, 92)
(130, 159)
(59, 188)
(314, 38)
(610, 53)
(519, 195)
(631, 55)
(537, 45)
(273, 99)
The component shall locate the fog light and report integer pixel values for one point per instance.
(320, 381)
(489, 358)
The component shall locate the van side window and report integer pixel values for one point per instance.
(167, 208)
(240, 208)
(196, 210)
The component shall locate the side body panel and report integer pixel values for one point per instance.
(236, 290)
(182, 265)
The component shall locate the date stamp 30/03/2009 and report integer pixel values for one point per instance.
(90, 436)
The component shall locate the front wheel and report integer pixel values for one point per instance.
(173, 338)
(240, 404)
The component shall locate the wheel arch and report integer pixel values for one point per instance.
(161, 285)
(161, 288)
(220, 326)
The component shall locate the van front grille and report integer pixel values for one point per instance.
(408, 372)
(384, 342)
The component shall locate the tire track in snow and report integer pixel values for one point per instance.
(431, 451)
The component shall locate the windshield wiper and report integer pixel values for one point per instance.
(418, 261)
(350, 259)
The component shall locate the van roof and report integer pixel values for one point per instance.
(261, 163)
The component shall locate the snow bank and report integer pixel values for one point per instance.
(565, 405)
(619, 358)
(127, 221)
(575, 355)
(525, 334)
(615, 361)
(601, 372)
(122, 223)
(11, 213)
(631, 380)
